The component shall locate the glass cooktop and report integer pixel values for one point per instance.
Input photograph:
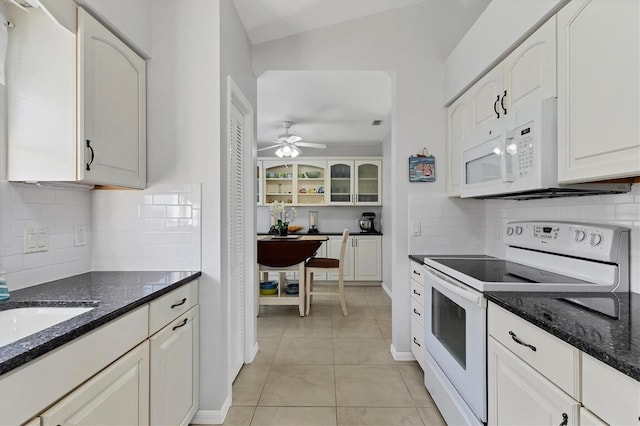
(492, 270)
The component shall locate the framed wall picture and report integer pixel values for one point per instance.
(422, 169)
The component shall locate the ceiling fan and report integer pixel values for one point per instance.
(288, 144)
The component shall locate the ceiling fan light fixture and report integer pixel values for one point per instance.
(280, 152)
(295, 152)
(286, 150)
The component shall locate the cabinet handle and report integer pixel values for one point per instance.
(416, 312)
(565, 419)
(184, 322)
(416, 342)
(416, 272)
(415, 292)
(182, 302)
(93, 154)
(520, 342)
(495, 107)
(502, 102)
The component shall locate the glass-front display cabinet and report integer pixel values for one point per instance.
(340, 182)
(311, 186)
(368, 182)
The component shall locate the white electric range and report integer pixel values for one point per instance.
(540, 256)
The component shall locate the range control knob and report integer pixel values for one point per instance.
(518, 230)
(509, 230)
(596, 239)
(580, 235)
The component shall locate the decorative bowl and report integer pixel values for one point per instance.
(268, 285)
(312, 175)
(268, 291)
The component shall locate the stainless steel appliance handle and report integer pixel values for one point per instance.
(456, 287)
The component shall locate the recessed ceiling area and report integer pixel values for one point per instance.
(336, 108)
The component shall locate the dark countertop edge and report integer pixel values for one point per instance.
(623, 367)
(418, 258)
(31, 354)
(327, 233)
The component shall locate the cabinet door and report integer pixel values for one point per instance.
(368, 182)
(598, 90)
(119, 395)
(111, 108)
(518, 395)
(341, 176)
(458, 130)
(368, 258)
(175, 371)
(587, 418)
(333, 251)
(485, 98)
(530, 70)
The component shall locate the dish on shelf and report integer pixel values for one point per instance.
(312, 175)
(268, 291)
(291, 290)
(268, 285)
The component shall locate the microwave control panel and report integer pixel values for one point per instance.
(524, 144)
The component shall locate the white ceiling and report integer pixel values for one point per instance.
(328, 107)
(267, 20)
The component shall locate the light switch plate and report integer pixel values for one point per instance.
(35, 240)
(80, 235)
(415, 228)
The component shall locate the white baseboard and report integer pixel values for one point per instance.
(212, 417)
(401, 356)
(252, 354)
(387, 290)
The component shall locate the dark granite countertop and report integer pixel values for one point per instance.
(614, 341)
(418, 258)
(112, 293)
(327, 233)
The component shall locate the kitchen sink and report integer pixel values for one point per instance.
(21, 322)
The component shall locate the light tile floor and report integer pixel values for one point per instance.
(326, 369)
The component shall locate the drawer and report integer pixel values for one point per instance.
(415, 271)
(170, 306)
(417, 311)
(417, 342)
(417, 292)
(617, 402)
(556, 360)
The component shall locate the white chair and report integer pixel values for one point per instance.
(324, 264)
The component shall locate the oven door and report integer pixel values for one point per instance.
(455, 336)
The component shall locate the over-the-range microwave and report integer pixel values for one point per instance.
(516, 157)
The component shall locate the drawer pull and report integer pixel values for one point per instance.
(184, 322)
(416, 342)
(415, 292)
(416, 272)
(565, 419)
(520, 342)
(419, 314)
(182, 302)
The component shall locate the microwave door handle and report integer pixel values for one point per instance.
(506, 157)
(459, 289)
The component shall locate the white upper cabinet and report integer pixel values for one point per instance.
(598, 90)
(530, 70)
(485, 98)
(77, 105)
(112, 108)
(458, 130)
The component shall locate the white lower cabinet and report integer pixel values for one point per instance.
(417, 313)
(362, 258)
(519, 395)
(175, 371)
(118, 395)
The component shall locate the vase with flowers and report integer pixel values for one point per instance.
(282, 216)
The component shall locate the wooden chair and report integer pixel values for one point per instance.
(324, 264)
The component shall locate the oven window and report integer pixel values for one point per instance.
(448, 325)
(483, 169)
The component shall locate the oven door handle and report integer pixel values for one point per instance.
(458, 288)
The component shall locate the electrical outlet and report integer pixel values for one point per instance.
(80, 235)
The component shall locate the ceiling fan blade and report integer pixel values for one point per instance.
(269, 147)
(294, 139)
(312, 145)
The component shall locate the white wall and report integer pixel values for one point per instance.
(399, 42)
(621, 209)
(184, 146)
(502, 26)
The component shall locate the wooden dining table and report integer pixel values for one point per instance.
(282, 255)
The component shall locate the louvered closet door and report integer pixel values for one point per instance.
(236, 239)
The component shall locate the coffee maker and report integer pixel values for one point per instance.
(368, 222)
